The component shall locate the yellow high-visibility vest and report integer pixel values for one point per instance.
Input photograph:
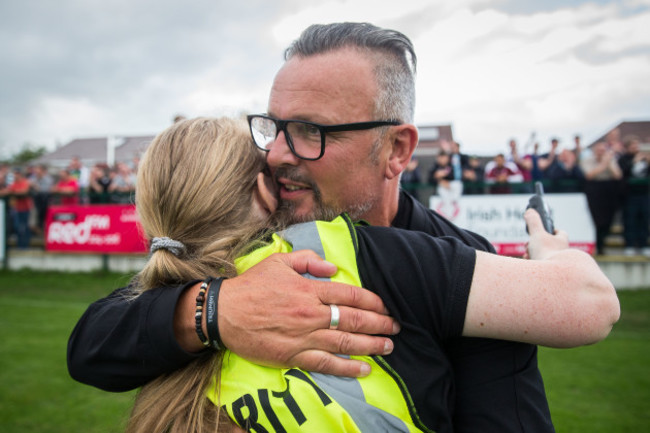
(263, 399)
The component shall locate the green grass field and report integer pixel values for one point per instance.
(604, 387)
(37, 314)
(600, 388)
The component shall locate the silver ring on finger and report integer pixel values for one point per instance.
(335, 317)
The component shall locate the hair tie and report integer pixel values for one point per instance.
(174, 247)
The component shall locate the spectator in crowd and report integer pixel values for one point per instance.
(501, 174)
(577, 140)
(473, 176)
(20, 203)
(442, 176)
(100, 181)
(4, 171)
(546, 160)
(602, 188)
(123, 185)
(410, 180)
(613, 140)
(565, 175)
(459, 161)
(4, 168)
(440, 172)
(6, 175)
(67, 188)
(42, 184)
(636, 206)
(533, 166)
(82, 174)
(523, 166)
(135, 163)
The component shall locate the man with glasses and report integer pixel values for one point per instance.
(338, 133)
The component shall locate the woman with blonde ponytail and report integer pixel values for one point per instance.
(206, 208)
(196, 187)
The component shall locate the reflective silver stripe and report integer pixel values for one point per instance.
(347, 392)
(304, 236)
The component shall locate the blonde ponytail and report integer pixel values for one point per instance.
(195, 186)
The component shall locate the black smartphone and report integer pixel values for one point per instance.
(538, 203)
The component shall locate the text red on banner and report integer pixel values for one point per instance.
(94, 228)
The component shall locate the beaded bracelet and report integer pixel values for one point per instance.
(200, 300)
(211, 319)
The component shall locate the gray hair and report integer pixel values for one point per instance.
(395, 61)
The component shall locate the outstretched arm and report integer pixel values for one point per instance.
(560, 298)
(269, 314)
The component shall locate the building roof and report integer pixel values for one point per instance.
(431, 135)
(132, 147)
(639, 128)
(83, 148)
(91, 151)
(430, 138)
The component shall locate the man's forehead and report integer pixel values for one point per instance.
(319, 90)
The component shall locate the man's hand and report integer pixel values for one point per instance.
(541, 243)
(272, 315)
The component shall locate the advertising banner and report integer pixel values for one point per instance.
(500, 218)
(102, 229)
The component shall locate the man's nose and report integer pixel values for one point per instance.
(280, 154)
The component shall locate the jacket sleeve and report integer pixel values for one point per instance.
(122, 342)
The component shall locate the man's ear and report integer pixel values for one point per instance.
(404, 139)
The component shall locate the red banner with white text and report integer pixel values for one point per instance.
(102, 229)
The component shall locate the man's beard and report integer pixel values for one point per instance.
(285, 214)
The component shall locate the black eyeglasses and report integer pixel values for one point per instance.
(305, 139)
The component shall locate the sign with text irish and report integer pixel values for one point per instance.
(102, 229)
(500, 218)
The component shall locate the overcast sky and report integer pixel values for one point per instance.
(493, 69)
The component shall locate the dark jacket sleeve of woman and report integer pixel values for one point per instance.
(121, 342)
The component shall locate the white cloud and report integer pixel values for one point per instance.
(634, 3)
(495, 76)
(624, 33)
(61, 116)
(380, 12)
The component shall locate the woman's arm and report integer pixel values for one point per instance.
(560, 298)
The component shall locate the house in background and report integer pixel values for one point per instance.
(431, 137)
(639, 128)
(90, 151)
(429, 145)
